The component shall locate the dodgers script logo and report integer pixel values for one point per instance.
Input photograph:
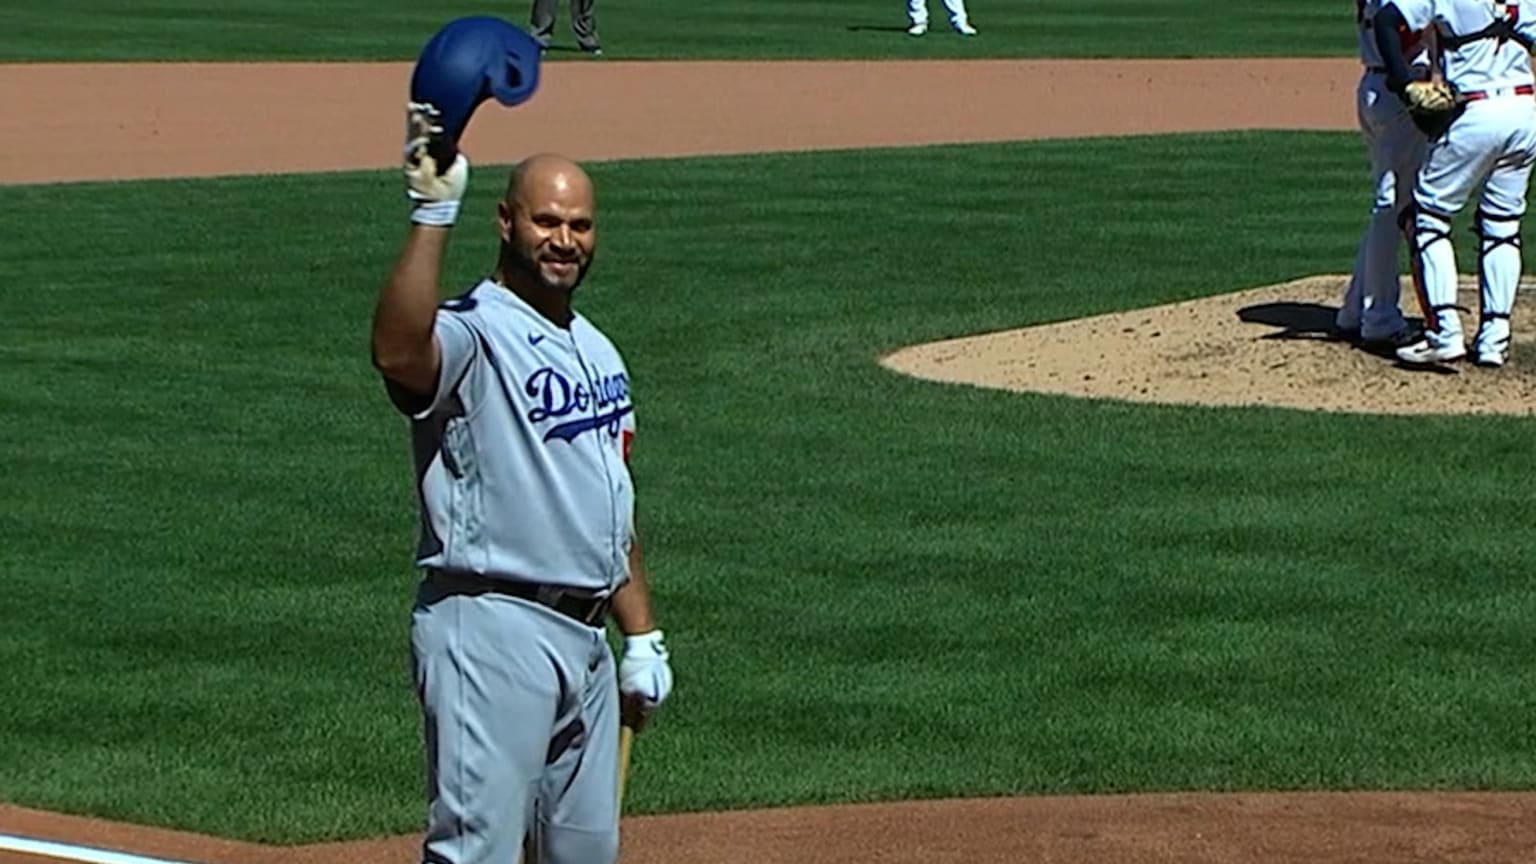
(592, 404)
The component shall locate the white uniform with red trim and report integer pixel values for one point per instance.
(1488, 150)
(1395, 148)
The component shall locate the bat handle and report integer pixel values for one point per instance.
(443, 151)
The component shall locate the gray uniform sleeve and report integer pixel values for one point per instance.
(460, 346)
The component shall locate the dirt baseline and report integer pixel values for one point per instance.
(117, 121)
(1297, 828)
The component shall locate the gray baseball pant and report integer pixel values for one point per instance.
(583, 22)
(521, 721)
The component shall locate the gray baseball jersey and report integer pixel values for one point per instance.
(521, 467)
(521, 455)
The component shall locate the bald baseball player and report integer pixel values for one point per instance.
(522, 418)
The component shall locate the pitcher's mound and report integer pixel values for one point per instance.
(1267, 346)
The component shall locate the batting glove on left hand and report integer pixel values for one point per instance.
(645, 678)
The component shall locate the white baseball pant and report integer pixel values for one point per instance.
(917, 10)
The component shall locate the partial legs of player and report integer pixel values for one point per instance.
(1499, 256)
(583, 23)
(1434, 281)
(1396, 150)
(1496, 150)
(917, 14)
(1453, 167)
(520, 707)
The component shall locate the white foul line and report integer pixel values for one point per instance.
(70, 852)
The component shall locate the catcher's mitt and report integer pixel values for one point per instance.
(1433, 105)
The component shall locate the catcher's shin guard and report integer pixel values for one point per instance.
(1433, 264)
(1499, 263)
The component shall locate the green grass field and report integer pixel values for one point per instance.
(395, 30)
(874, 587)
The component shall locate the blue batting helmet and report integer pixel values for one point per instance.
(471, 60)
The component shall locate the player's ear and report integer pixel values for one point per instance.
(504, 220)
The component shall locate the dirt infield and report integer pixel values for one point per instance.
(105, 122)
(1321, 828)
(110, 121)
(1268, 346)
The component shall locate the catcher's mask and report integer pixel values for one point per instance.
(471, 60)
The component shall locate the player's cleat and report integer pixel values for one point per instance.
(1344, 334)
(1492, 355)
(1491, 347)
(965, 30)
(1433, 349)
(1400, 338)
(917, 29)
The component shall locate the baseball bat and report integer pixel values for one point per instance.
(626, 740)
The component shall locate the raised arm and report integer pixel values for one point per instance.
(405, 350)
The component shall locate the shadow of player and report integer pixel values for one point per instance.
(1315, 321)
(1295, 320)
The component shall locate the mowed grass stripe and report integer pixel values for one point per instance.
(92, 30)
(875, 587)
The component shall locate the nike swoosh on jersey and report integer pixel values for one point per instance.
(535, 338)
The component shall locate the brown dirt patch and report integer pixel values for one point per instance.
(1265, 346)
(112, 121)
(1249, 828)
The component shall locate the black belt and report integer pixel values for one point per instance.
(584, 606)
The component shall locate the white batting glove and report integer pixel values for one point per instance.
(434, 197)
(645, 678)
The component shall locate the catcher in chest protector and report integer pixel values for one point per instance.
(1479, 113)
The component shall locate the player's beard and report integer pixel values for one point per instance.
(528, 263)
